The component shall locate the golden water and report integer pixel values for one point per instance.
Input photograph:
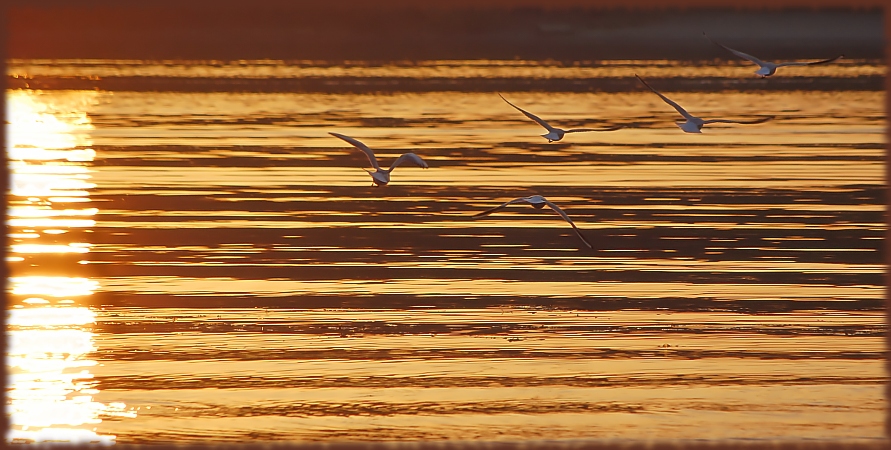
(217, 267)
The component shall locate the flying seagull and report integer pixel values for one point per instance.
(765, 68)
(537, 202)
(694, 124)
(380, 177)
(555, 134)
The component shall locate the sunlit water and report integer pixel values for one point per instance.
(214, 266)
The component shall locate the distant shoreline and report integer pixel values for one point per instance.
(402, 84)
(316, 31)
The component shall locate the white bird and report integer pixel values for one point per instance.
(380, 177)
(537, 202)
(694, 124)
(555, 134)
(765, 68)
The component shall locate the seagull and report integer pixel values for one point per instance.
(555, 134)
(694, 124)
(380, 177)
(767, 69)
(537, 202)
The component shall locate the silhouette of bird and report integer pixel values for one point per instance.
(694, 124)
(380, 177)
(537, 202)
(555, 134)
(765, 68)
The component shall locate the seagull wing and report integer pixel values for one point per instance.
(501, 206)
(738, 53)
(761, 120)
(610, 128)
(409, 157)
(796, 63)
(368, 152)
(528, 114)
(667, 100)
(566, 217)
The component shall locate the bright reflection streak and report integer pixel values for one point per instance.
(50, 387)
(42, 248)
(35, 212)
(35, 153)
(52, 286)
(48, 121)
(39, 223)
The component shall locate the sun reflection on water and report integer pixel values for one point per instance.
(50, 387)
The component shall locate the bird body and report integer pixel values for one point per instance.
(537, 202)
(766, 68)
(380, 176)
(694, 124)
(555, 134)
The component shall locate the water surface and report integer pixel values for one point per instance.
(212, 265)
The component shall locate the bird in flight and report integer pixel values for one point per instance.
(766, 68)
(555, 134)
(380, 177)
(537, 202)
(694, 124)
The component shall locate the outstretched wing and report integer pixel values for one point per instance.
(566, 217)
(737, 52)
(761, 120)
(796, 63)
(409, 157)
(611, 128)
(368, 152)
(683, 111)
(500, 207)
(528, 114)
